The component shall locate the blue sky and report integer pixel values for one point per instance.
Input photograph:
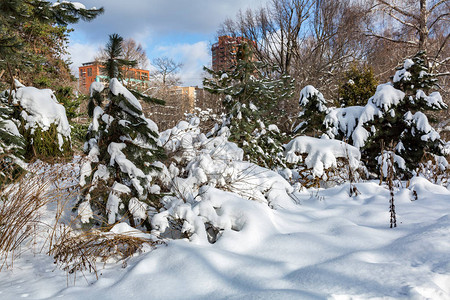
(180, 29)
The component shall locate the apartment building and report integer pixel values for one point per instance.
(225, 50)
(93, 71)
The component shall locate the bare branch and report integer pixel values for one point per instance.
(372, 34)
(436, 5)
(403, 21)
(397, 9)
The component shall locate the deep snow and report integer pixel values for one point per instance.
(330, 246)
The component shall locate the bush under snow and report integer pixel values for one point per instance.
(210, 183)
(42, 120)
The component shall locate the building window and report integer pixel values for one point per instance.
(89, 72)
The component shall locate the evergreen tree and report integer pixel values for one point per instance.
(66, 97)
(40, 120)
(401, 121)
(359, 85)
(114, 63)
(33, 37)
(314, 109)
(394, 116)
(251, 99)
(31, 30)
(122, 149)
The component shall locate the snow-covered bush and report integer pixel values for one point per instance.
(208, 179)
(121, 147)
(314, 160)
(40, 119)
(393, 115)
(209, 121)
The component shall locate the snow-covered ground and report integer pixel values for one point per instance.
(329, 246)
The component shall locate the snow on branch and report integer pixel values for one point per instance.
(321, 153)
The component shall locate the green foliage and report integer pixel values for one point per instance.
(66, 97)
(251, 99)
(405, 126)
(114, 63)
(78, 134)
(123, 144)
(314, 109)
(12, 149)
(12, 146)
(29, 142)
(33, 40)
(359, 85)
(44, 143)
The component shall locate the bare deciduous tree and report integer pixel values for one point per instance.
(135, 51)
(307, 39)
(166, 73)
(417, 18)
(418, 25)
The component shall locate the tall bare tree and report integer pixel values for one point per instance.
(307, 39)
(134, 51)
(166, 72)
(417, 18)
(419, 25)
(276, 29)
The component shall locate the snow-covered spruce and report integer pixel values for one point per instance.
(41, 121)
(251, 99)
(211, 184)
(313, 111)
(329, 161)
(118, 175)
(394, 115)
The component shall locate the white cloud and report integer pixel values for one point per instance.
(160, 17)
(181, 26)
(192, 56)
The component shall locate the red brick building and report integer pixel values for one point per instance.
(225, 50)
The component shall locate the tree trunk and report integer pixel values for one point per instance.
(423, 29)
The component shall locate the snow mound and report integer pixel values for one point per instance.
(333, 248)
(321, 153)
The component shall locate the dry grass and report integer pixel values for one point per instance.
(21, 201)
(25, 220)
(81, 252)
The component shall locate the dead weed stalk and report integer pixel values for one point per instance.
(21, 202)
